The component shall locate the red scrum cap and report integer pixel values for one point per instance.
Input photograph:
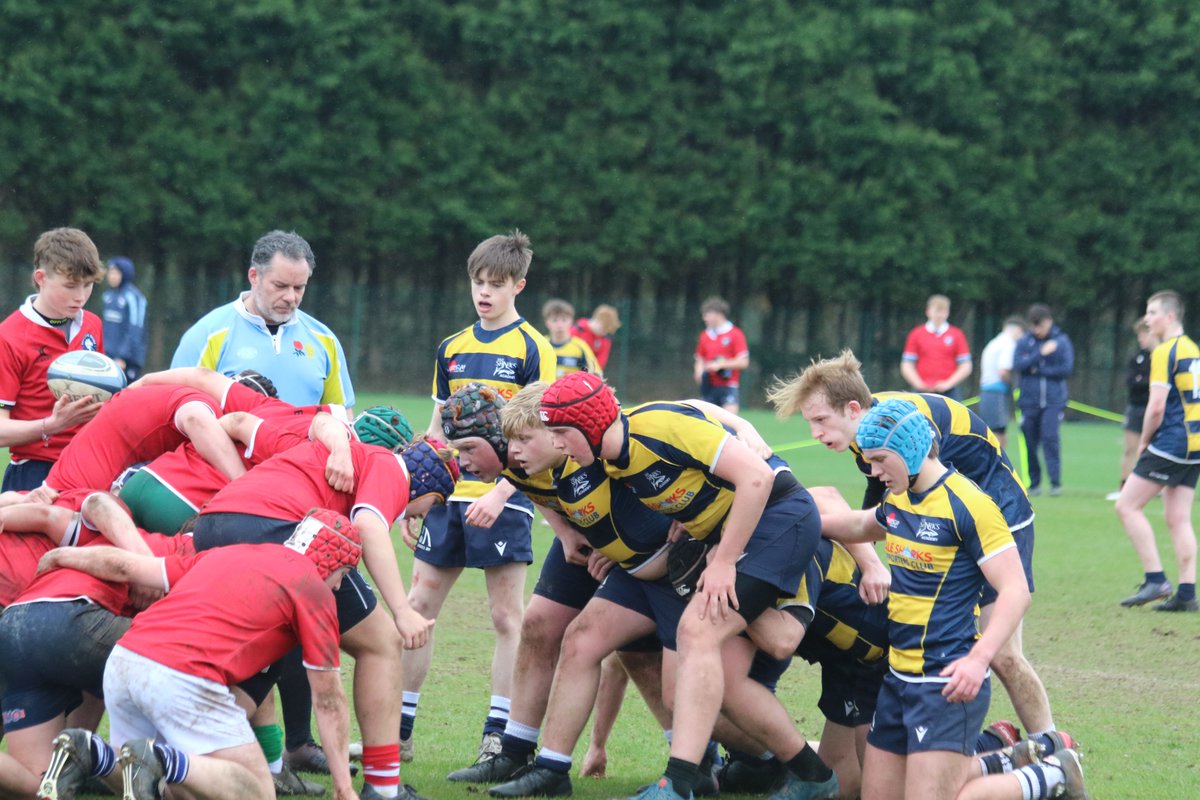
(329, 540)
(582, 401)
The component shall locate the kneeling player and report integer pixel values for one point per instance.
(245, 606)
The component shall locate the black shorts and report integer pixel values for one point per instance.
(355, 598)
(1166, 472)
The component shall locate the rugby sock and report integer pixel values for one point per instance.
(497, 716)
(381, 768)
(408, 713)
(995, 764)
(808, 766)
(1156, 577)
(270, 739)
(1045, 740)
(682, 775)
(987, 741)
(554, 761)
(1039, 781)
(1186, 592)
(175, 762)
(103, 757)
(518, 740)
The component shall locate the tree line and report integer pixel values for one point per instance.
(825, 166)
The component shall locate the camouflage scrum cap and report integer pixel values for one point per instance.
(474, 410)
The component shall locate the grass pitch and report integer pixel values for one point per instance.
(1122, 681)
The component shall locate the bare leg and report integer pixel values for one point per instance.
(700, 679)
(1131, 505)
(840, 751)
(16, 779)
(937, 774)
(376, 647)
(751, 706)
(232, 772)
(1130, 453)
(1177, 508)
(646, 671)
(88, 714)
(600, 628)
(430, 587)
(613, 681)
(1020, 679)
(542, 632)
(31, 747)
(884, 775)
(506, 592)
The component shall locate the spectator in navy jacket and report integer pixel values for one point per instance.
(124, 318)
(1044, 359)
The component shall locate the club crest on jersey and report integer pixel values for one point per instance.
(299, 349)
(455, 368)
(89, 342)
(658, 480)
(929, 531)
(505, 369)
(892, 520)
(580, 484)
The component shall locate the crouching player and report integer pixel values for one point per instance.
(231, 612)
(944, 538)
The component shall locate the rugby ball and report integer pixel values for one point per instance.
(85, 372)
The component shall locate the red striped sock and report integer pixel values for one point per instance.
(381, 768)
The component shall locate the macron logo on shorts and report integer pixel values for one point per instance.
(500, 547)
(920, 731)
(424, 543)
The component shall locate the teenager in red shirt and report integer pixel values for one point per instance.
(33, 425)
(936, 357)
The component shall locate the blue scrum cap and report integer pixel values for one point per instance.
(898, 426)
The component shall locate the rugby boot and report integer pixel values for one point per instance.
(499, 768)
(142, 775)
(1175, 604)
(662, 789)
(535, 781)
(310, 757)
(407, 749)
(742, 775)
(1073, 786)
(290, 784)
(793, 788)
(406, 792)
(1148, 592)
(1008, 733)
(71, 763)
(1024, 753)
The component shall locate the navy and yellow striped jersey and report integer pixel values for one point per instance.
(935, 542)
(539, 488)
(666, 459)
(1176, 364)
(609, 516)
(967, 444)
(842, 624)
(505, 359)
(574, 355)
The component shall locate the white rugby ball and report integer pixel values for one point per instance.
(85, 372)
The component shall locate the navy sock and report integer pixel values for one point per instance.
(987, 741)
(808, 766)
(516, 748)
(103, 757)
(175, 762)
(554, 765)
(683, 776)
(1186, 591)
(1156, 577)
